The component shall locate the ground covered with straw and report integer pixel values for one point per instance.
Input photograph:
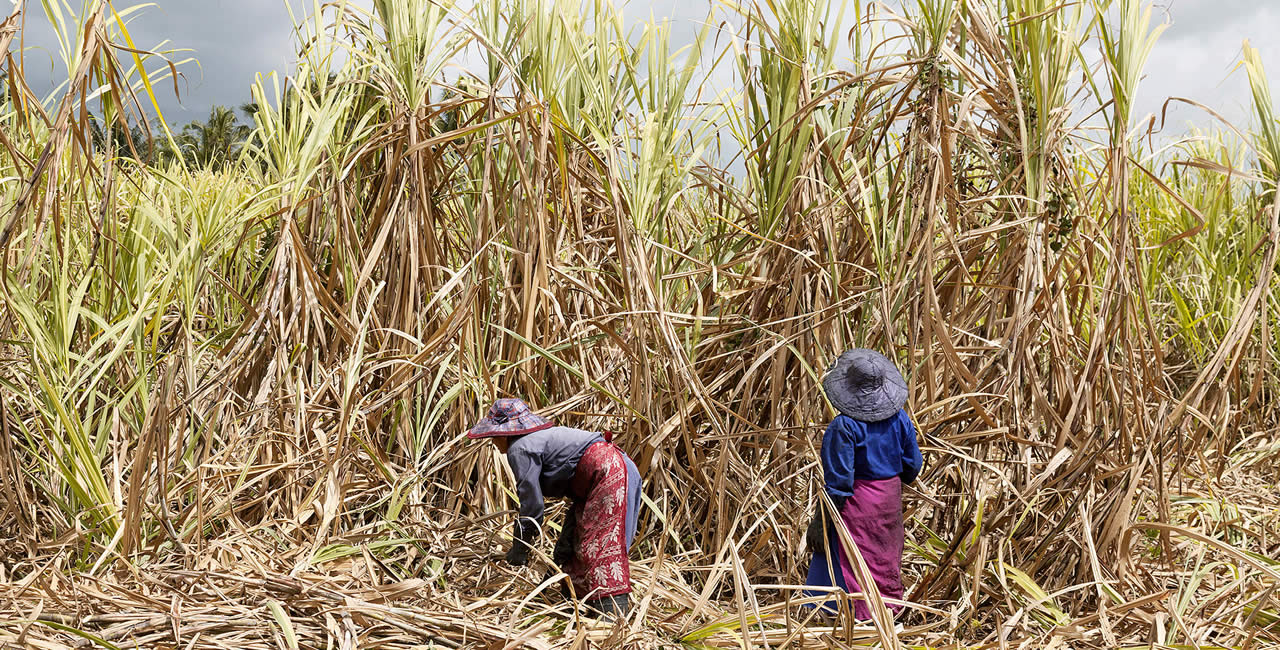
(235, 382)
(445, 587)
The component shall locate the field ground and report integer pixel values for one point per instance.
(442, 584)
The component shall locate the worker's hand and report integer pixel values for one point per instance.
(526, 535)
(815, 535)
(519, 554)
(563, 554)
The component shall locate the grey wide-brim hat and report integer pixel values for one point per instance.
(865, 385)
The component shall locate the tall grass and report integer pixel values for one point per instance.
(290, 350)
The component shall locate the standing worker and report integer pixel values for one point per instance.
(868, 451)
(586, 467)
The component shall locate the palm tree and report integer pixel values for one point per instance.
(126, 140)
(217, 141)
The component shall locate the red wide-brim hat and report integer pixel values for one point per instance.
(509, 417)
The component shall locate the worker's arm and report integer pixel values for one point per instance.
(912, 461)
(564, 551)
(838, 446)
(527, 468)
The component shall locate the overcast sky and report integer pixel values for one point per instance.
(1197, 57)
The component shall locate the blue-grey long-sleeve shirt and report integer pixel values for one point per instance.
(543, 463)
(856, 450)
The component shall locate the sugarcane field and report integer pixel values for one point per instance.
(647, 324)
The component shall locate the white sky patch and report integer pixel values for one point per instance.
(1196, 58)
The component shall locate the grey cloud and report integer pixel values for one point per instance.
(1198, 58)
(231, 39)
(234, 39)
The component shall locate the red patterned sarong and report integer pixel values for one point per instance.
(600, 567)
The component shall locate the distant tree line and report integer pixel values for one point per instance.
(218, 140)
(214, 142)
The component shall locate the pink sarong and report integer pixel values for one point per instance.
(873, 517)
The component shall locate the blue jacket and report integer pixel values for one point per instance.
(853, 450)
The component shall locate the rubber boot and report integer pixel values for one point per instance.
(610, 607)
